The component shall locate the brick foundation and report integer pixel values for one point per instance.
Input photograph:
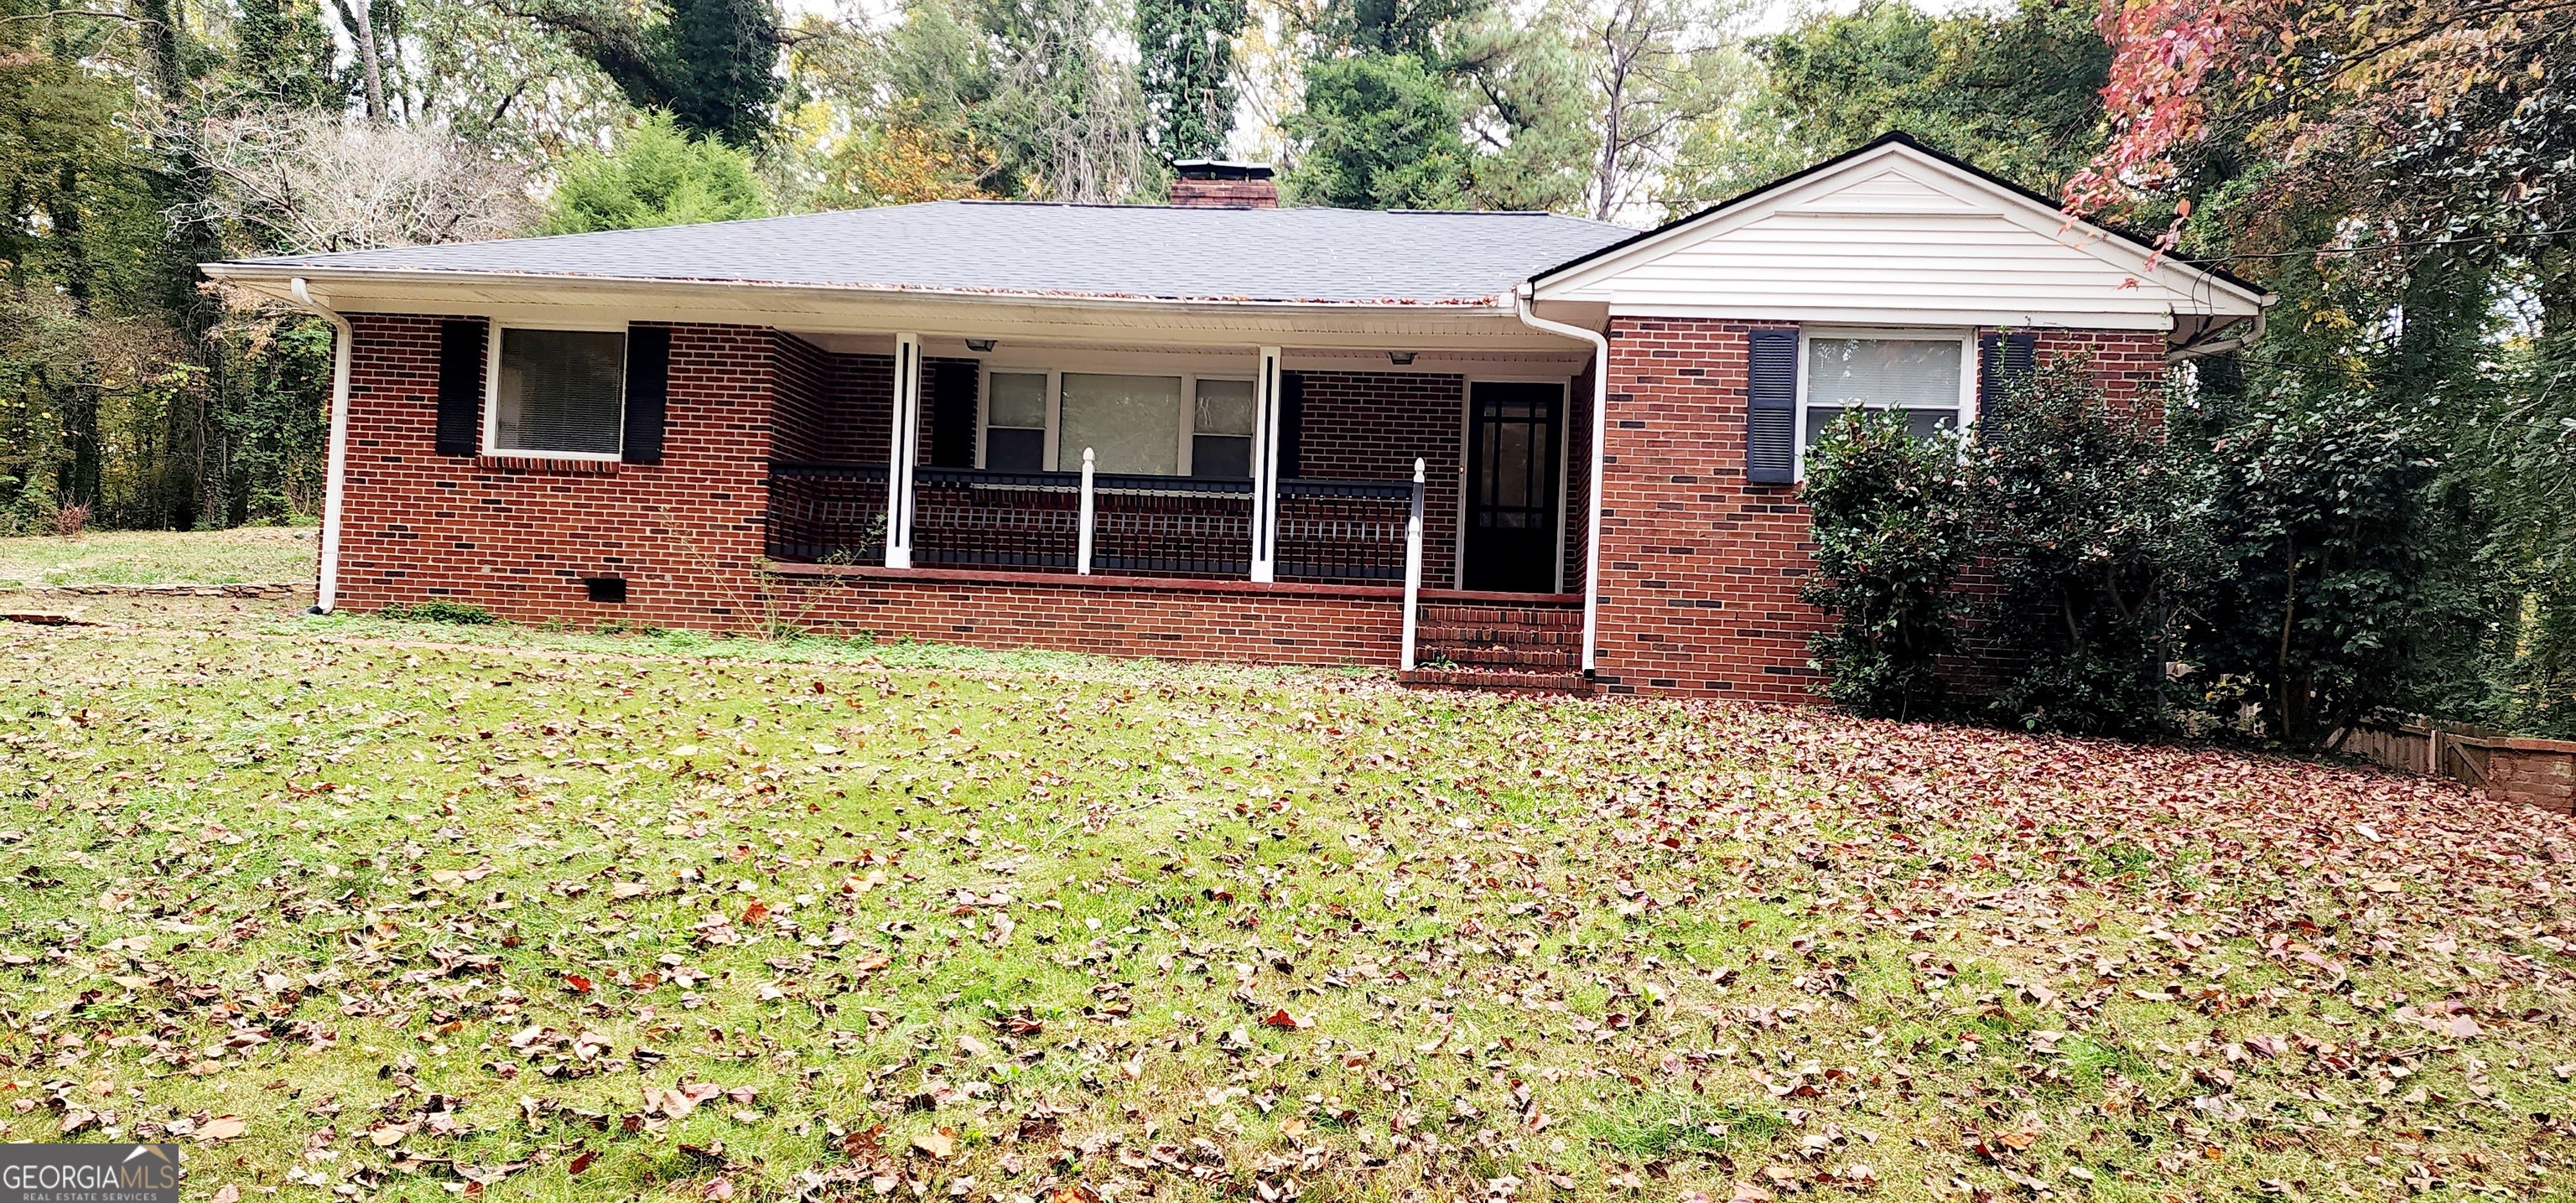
(1109, 616)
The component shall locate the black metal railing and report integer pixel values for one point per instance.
(1171, 525)
(995, 519)
(827, 513)
(1342, 531)
(1337, 531)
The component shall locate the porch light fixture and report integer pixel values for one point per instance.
(1399, 358)
(980, 346)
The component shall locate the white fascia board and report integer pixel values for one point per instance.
(1977, 197)
(1396, 327)
(1901, 317)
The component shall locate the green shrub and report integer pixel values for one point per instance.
(2086, 520)
(1891, 537)
(438, 610)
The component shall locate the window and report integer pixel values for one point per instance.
(1015, 422)
(1040, 418)
(1221, 430)
(1130, 423)
(1924, 375)
(559, 392)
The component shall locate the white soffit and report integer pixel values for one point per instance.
(1893, 235)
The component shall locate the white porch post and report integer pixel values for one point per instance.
(1265, 468)
(903, 450)
(1412, 569)
(1082, 540)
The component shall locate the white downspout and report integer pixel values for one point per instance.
(335, 475)
(1600, 429)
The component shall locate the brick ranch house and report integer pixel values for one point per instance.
(880, 420)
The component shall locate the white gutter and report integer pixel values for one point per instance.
(327, 591)
(1600, 429)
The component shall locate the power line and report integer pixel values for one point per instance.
(2387, 246)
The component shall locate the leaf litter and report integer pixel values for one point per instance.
(403, 921)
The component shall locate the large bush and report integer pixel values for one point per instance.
(2338, 584)
(1891, 538)
(2085, 519)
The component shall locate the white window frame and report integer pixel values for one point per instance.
(1052, 454)
(1966, 338)
(1190, 415)
(492, 389)
(984, 407)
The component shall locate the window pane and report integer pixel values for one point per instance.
(1925, 423)
(1131, 423)
(1821, 418)
(560, 391)
(1009, 450)
(1913, 373)
(1019, 400)
(1220, 455)
(1225, 407)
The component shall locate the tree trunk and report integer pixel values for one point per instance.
(362, 21)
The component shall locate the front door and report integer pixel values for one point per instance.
(1513, 447)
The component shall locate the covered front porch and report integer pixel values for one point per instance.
(1435, 469)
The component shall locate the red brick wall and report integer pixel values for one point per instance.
(1235, 194)
(1371, 426)
(1172, 620)
(2129, 365)
(1701, 570)
(808, 420)
(517, 538)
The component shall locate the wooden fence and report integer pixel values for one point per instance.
(2539, 772)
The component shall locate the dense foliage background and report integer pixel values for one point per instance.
(2398, 173)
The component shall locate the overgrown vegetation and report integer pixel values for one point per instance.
(364, 910)
(437, 610)
(2088, 522)
(2291, 553)
(1891, 534)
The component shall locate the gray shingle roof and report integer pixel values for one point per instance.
(1302, 255)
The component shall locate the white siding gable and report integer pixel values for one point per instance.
(1893, 236)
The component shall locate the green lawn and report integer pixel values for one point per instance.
(250, 554)
(360, 909)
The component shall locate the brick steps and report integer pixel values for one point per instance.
(1498, 680)
(1521, 649)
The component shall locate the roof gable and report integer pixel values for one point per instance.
(1896, 234)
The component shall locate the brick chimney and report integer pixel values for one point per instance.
(1216, 184)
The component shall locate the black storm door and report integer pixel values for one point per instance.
(1513, 445)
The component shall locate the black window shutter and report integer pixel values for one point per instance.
(460, 384)
(1292, 421)
(1771, 407)
(648, 391)
(2001, 360)
(953, 385)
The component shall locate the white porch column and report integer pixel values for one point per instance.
(1265, 468)
(903, 450)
